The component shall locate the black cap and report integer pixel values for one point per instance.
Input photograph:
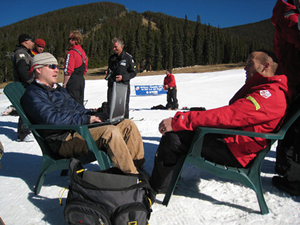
(24, 37)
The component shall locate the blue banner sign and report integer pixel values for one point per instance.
(149, 89)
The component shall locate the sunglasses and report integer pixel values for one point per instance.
(52, 66)
(71, 39)
(40, 46)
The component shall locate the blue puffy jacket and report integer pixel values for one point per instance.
(46, 105)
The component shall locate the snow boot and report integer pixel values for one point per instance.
(290, 183)
(283, 159)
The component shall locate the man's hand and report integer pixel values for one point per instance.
(119, 78)
(165, 126)
(95, 119)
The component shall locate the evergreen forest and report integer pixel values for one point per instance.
(155, 40)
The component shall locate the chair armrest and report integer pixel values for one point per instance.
(83, 130)
(196, 146)
(206, 130)
(77, 128)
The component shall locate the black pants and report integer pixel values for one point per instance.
(172, 98)
(176, 144)
(288, 149)
(76, 84)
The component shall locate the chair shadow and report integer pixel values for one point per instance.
(8, 129)
(52, 210)
(192, 189)
(26, 167)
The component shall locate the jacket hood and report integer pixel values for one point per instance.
(280, 9)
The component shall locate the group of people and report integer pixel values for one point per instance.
(258, 106)
(47, 102)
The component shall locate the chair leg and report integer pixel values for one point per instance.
(175, 178)
(260, 197)
(39, 182)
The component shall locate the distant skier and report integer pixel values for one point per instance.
(171, 88)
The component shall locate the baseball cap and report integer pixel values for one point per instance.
(40, 42)
(24, 37)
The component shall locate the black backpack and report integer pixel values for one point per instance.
(109, 197)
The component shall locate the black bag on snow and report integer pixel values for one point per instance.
(108, 197)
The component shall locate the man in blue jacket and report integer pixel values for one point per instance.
(45, 102)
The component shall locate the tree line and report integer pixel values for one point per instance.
(156, 41)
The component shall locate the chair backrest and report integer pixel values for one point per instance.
(14, 92)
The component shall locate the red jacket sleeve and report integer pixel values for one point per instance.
(244, 113)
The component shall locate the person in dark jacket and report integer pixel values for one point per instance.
(121, 68)
(21, 68)
(46, 102)
(76, 64)
(258, 106)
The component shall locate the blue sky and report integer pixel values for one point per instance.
(223, 13)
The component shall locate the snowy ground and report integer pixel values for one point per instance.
(200, 197)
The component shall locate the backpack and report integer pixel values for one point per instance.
(109, 197)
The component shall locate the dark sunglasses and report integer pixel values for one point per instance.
(71, 39)
(52, 66)
(40, 46)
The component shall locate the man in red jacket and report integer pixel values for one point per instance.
(258, 106)
(171, 88)
(76, 64)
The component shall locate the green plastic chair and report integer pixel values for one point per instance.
(50, 161)
(249, 176)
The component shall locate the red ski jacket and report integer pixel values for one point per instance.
(287, 41)
(170, 80)
(75, 60)
(258, 106)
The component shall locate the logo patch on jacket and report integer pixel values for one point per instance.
(123, 63)
(265, 93)
(22, 56)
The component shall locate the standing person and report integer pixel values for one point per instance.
(171, 88)
(76, 65)
(285, 18)
(21, 68)
(258, 106)
(39, 46)
(121, 68)
(45, 102)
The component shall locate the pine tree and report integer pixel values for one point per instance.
(198, 43)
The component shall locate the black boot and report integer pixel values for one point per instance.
(290, 183)
(283, 159)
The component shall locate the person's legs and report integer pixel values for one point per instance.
(133, 140)
(175, 144)
(216, 150)
(169, 100)
(172, 146)
(75, 87)
(290, 182)
(174, 96)
(111, 138)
